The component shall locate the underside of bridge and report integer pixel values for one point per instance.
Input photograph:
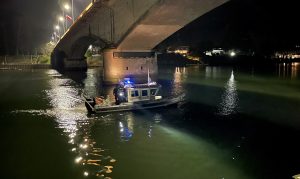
(128, 30)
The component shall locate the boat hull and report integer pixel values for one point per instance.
(133, 106)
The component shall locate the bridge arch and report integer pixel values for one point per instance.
(74, 57)
(80, 46)
(127, 29)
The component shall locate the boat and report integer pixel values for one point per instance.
(129, 97)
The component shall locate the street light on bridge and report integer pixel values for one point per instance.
(66, 6)
(57, 27)
(58, 30)
(72, 11)
(61, 19)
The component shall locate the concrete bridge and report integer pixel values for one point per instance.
(127, 30)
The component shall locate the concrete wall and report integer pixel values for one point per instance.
(116, 69)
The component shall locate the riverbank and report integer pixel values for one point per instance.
(24, 66)
(24, 62)
(38, 62)
(173, 59)
(243, 60)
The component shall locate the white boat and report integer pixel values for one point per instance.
(130, 97)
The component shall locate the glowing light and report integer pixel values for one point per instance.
(296, 176)
(77, 160)
(113, 160)
(57, 27)
(66, 6)
(83, 146)
(232, 54)
(120, 124)
(108, 169)
(72, 135)
(60, 18)
(85, 173)
(74, 149)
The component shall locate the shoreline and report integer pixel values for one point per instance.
(24, 66)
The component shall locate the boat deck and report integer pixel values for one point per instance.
(133, 105)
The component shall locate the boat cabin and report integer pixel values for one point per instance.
(130, 92)
(142, 92)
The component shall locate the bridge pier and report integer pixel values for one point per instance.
(133, 64)
(60, 61)
(77, 64)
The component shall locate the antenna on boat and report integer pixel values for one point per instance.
(149, 79)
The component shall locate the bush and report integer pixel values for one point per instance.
(88, 53)
(45, 59)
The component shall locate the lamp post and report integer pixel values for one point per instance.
(66, 7)
(72, 12)
(61, 19)
(55, 40)
(57, 28)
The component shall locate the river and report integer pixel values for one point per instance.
(237, 123)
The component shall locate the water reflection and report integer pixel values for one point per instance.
(167, 143)
(229, 98)
(212, 72)
(92, 83)
(179, 77)
(295, 70)
(126, 127)
(288, 70)
(71, 116)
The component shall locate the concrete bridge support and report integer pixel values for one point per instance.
(133, 64)
(60, 61)
(75, 64)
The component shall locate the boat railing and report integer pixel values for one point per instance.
(86, 101)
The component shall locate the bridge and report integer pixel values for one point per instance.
(127, 31)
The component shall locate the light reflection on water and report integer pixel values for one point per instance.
(229, 98)
(288, 70)
(95, 160)
(126, 127)
(161, 143)
(71, 116)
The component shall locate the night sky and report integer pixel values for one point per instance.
(27, 24)
(256, 24)
(259, 25)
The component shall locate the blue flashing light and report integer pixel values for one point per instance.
(127, 81)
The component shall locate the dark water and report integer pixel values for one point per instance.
(237, 123)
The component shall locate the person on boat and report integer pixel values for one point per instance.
(120, 94)
(115, 92)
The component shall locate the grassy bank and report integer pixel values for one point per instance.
(24, 59)
(95, 61)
